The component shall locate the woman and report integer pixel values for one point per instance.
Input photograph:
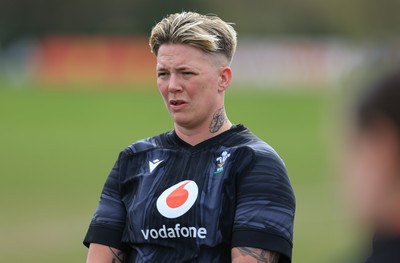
(208, 191)
(373, 172)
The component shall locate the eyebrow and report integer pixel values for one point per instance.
(180, 68)
(183, 68)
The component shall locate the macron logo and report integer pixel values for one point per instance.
(153, 164)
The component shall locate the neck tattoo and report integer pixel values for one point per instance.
(218, 120)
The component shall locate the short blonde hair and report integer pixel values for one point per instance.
(206, 32)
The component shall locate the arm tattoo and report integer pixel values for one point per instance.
(118, 255)
(218, 120)
(260, 255)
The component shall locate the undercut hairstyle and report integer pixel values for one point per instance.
(206, 32)
(380, 100)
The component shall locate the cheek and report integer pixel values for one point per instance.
(194, 90)
(365, 176)
(365, 180)
(204, 91)
(162, 87)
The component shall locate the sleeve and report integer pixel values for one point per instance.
(265, 207)
(108, 221)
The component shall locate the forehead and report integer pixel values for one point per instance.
(172, 55)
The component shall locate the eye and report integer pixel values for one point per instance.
(187, 73)
(161, 74)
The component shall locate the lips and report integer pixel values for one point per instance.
(177, 104)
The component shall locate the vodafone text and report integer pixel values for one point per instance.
(174, 232)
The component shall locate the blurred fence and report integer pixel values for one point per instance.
(127, 60)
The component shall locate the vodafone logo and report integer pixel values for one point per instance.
(178, 199)
(172, 203)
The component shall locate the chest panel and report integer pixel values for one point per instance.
(180, 197)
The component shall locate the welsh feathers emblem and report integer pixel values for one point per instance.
(221, 162)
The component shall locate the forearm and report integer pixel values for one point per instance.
(253, 255)
(104, 254)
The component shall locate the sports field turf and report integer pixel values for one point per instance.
(57, 147)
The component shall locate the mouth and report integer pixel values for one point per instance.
(177, 104)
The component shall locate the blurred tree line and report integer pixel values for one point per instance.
(358, 19)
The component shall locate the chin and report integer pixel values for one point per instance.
(183, 121)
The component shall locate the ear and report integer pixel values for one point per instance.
(225, 77)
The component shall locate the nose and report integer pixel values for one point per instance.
(174, 84)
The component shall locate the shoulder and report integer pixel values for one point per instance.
(260, 150)
(145, 145)
(266, 168)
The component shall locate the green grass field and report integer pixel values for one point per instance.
(57, 147)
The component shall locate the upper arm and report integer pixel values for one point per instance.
(103, 254)
(253, 255)
(108, 221)
(265, 207)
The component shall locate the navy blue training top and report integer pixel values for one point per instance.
(167, 201)
(386, 249)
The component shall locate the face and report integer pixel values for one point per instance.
(192, 83)
(372, 174)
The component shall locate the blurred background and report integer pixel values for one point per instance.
(77, 85)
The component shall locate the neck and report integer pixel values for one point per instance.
(217, 124)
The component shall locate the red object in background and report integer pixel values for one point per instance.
(95, 60)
